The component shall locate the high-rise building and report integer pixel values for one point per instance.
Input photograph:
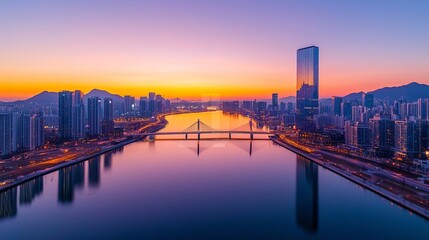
(30, 131)
(107, 124)
(368, 100)
(261, 107)
(412, 110)
(78, 115)
(248, 105)
(357, 112)
(152, 96)
(382, 135)
(39, 133)
(144, 106)
(5, 134)
(346, 110)
(336, 105)
(357, 134)
(129, 104)
(423, 105)
(65, 110)
(152, 104)
(159, 103)
(275, 101)
(307, 94)
(423, 129)
(406, 139)
(108, 109)
(94, 116)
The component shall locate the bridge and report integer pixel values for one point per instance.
(200, 128)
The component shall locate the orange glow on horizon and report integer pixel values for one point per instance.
(239, 87)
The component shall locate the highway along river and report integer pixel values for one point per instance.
(173, 188)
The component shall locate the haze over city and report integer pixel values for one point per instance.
(195, 49)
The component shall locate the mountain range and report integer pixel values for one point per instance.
(409, 92)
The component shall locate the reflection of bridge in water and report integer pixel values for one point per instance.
(244, 145)
(200, 128)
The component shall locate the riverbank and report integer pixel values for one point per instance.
(60, 162)
(39, 173)
(399, 200)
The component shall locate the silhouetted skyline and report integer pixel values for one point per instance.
(195, 49)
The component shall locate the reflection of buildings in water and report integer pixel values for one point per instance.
(29, 190)
(307, 194)
(8, 203)
(94, 171)
(107, 161)
(66, 185)
(79, 174)
(118, 150)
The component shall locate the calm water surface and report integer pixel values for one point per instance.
(211, 189)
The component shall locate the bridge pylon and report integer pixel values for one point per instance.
(251, 130)
(198, 128)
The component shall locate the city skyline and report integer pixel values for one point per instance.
(184, 50)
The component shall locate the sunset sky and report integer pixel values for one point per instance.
(194, 49)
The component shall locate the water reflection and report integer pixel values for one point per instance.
(94, 172)
(8, 203)
(307, 191)
(66, 185)
(79, 174)
(29, 190)
(107, 161)
(203, 145)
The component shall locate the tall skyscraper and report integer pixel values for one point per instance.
(78, 115)
(346, 110)
(30, 131)
(336, 105)
(144, 106)
(94, 116)
(5, 134)
(275, 101)
(368, 100)
(423, 105)
(65, 110)
(108, 109)
(129, 104)
(307, 93)
(406, 139)
(107, 123)
(152, 104)
(39, 134)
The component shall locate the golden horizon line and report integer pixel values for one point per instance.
(215, 95)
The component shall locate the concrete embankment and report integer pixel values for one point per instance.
(368, 185)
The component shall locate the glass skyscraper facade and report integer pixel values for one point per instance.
(65, 109)
(307, 85)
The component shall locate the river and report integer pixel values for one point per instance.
(172, 188)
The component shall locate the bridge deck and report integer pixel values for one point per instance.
(206, 132)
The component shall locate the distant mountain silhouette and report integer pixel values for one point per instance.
(284, 99)
(288, 99)
(409, 92)
(103, 94)
(44, 97)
